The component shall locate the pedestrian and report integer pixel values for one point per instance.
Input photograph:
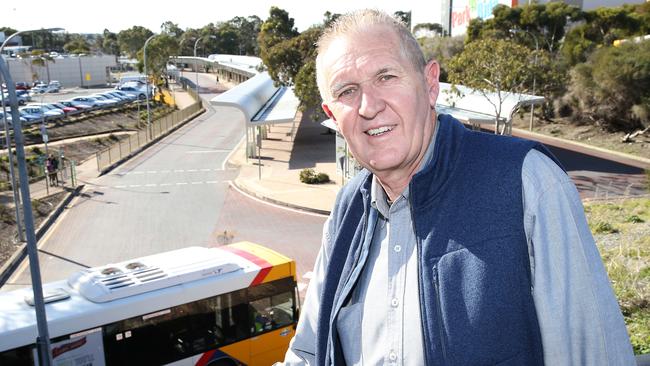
(451, 247)
(51, 165)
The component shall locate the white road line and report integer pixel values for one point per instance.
(137, 172)
(206, 170)
(166, 184)
(152, 171)
(179, 171)
(165, 171)
(150, 185)
(124, 186)
(206, 151)
(213, 182)
(197, 182)
(134, 185)
(181, 183)
(308, 275)
(191, 170)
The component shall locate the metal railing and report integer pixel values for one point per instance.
(136, 141)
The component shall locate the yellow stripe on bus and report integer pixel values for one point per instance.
(282, 266)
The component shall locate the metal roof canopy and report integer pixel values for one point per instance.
(475, 108)
(261, 102)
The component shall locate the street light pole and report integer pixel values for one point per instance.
(149, 133)
(532, 106)
(43, 340)
(196, 62)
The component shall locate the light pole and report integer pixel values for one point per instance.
(43, 340)
(196, 61)
(149, 132)
(532, 106)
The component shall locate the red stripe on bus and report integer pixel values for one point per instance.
(265, 266)
(205, 358)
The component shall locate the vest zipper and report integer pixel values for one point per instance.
(436, 286)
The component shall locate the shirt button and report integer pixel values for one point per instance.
(392, 356)
(397, 248)
(394, 302)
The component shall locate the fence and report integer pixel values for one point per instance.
(136, 141)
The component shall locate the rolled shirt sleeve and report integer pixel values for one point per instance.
(579, 317)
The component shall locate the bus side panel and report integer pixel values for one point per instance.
(240, 351)
(270, 347)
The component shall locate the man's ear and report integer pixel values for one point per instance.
(432, 74)
(328, 112)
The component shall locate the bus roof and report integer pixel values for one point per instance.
(195, 273)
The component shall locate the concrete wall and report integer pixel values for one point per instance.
(70, 71)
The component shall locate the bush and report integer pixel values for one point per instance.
(602, 227)
(309, 176)
(612, 88)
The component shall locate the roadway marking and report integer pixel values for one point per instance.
(191, 170)
(207, 151)
(150, 185)
(206, 170)
(212, 182)
(196, 183)
(134, 185)
(181, 183)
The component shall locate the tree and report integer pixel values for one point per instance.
(612, 89)
(158, 51)
(429, 28)
(110, 44)
(247, 30)
(329, 17)
(492, 66)
(441, 49)
(276, 28)
(171, 28)
(131, 40)
(77, 44)
(404, 17)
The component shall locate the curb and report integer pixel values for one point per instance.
(251, 193)
(14, 261)
(144, 147)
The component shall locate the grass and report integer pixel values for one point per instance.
(622, 231)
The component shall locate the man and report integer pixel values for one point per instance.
(453, 247)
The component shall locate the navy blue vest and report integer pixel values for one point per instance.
(474, 272)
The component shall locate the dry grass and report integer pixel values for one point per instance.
(624, 245)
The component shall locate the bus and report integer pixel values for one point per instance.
(225, 306)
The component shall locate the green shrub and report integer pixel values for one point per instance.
(309, 176)
(602, 227)
(635, 219)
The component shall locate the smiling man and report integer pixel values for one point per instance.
(451, 247)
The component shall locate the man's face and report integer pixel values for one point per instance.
(381, 104)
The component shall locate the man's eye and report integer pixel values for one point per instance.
(346, 93)
(386, 77)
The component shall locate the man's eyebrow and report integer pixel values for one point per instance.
(338, 86)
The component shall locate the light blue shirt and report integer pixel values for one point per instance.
(579, 317)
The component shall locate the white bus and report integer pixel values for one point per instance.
(232, 305)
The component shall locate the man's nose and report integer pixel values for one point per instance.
(371, 103)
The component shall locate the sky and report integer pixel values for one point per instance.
(116, 15)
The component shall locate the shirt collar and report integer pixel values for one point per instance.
(378, 197)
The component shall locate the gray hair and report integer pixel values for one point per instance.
(357, 22)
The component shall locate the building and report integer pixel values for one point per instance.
(84, 71)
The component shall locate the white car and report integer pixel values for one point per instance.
(135, 89)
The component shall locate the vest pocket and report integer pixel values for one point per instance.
(478, 294)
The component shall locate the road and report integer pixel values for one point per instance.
(173, 195)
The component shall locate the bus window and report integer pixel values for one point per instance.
(18, 357)
(271, 306)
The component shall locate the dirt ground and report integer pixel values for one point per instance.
(588, 134)
(8, 233)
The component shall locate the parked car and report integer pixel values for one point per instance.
(22, 99)
(91, 102)
(120, 99)
(40, 112)
(129, 97)
(9, 118)
(21, 85)
(80, 106)
(140, 92)
(29, 117)
(49, 107)
(109, 101)
(45, 88)
(67, 110)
